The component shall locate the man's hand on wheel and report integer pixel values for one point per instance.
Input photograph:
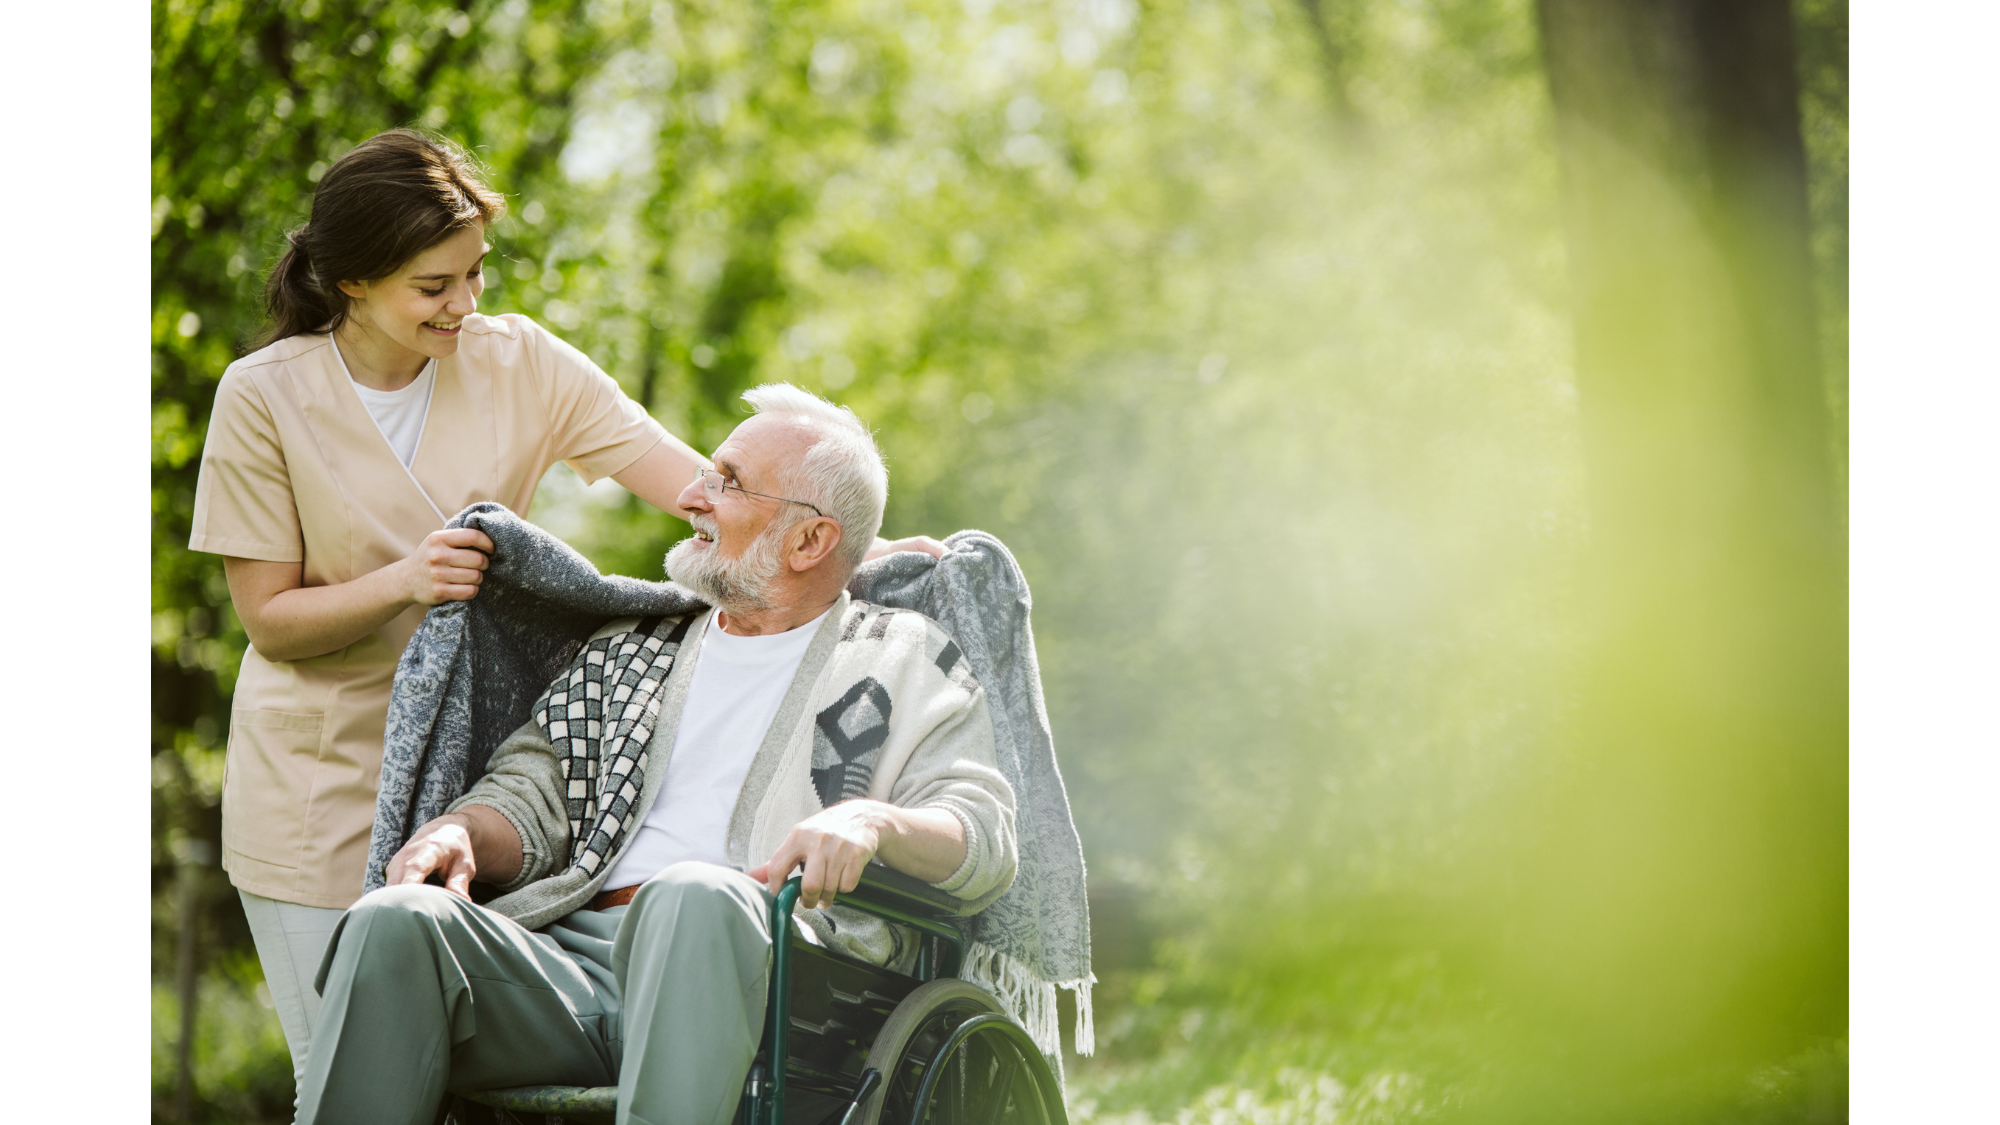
(833, 845)
(442, 846)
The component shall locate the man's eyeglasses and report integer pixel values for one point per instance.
(713, 483)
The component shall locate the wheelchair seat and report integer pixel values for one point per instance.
(850, 1043)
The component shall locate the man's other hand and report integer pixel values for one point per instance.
(922, 543)
(833, 845)
(443, 846)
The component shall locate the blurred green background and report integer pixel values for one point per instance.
(1421, 421)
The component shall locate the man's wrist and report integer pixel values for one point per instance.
(926, 842)
(887, 822)
(458, 818)
(875, 814)
(495, 844)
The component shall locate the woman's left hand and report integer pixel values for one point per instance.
(923, 543)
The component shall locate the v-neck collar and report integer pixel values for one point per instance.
(354, 396)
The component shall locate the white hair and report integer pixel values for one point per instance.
(842, 474)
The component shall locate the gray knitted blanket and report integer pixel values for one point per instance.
(474, 669)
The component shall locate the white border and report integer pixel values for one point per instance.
(1926, 608)
(1925, 601)
(76, 297)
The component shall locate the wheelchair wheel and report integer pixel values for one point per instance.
(949, 1055)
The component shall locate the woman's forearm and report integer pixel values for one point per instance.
(297, 622)
(661, 473)
(287, 620)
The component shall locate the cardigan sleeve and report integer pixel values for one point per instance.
(523, 782)
(953, 768)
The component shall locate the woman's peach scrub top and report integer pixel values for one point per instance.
(295, 470)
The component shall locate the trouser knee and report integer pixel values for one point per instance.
(395, 916)
(690, 899)
(409, 901)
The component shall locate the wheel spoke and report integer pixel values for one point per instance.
(999, 1092)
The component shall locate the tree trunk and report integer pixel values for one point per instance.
(1692, 910)
(1333, 28)
(197, 854)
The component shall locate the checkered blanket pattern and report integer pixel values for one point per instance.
(599, 717)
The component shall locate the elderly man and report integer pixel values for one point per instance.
(788, 728)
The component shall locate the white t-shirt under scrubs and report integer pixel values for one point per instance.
(737, 687)
(398, 414)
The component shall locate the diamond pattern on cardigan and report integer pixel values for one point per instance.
(847, 739)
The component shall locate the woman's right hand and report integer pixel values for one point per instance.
(448, 566)
(287, 620)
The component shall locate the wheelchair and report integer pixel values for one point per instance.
(849, 1043)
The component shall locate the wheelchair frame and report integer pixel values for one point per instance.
(883, 892)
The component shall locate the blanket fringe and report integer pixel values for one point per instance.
(1030, 999)
(1085, 1030)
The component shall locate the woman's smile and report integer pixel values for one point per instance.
(398, 323)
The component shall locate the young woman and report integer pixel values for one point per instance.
(381, 405)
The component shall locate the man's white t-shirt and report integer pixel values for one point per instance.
(398, 414)
(737, 686)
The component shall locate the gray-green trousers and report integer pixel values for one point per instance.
(422, 992)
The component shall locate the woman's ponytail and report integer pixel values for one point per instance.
(293, 297)
(390, 198)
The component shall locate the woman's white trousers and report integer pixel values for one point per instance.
(291, 939)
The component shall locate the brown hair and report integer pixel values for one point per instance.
(392, 197)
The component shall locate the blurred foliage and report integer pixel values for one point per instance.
(1243, 323)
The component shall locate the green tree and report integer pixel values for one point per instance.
(1696, 870)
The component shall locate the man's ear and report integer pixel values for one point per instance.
(819, 538)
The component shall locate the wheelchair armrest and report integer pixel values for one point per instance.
(885, 887)
(894, 897)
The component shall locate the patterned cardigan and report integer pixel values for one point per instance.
(882, 706)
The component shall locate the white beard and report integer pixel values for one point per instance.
(740, 585)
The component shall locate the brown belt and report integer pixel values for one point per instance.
(608, 899)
